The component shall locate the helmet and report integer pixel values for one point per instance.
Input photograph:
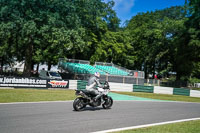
(97, 74)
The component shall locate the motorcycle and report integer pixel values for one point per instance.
(87, 98)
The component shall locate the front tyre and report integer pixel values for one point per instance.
(108, 103)
(79, 104)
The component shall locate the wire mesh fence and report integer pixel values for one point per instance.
(103, 64)
(131, 80)
(166, 83)
(78, 61)
(112, 78)
(174, 83)
(152, 82)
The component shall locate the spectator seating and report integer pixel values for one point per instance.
(112, 70)
(81, 68)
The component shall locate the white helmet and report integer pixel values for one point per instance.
(97, 74)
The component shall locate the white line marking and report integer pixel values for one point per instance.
(114, 101)
(155, 101)
(38, 102)
(147, 125)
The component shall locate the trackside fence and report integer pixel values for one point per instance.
(113, 78)
(81, 84)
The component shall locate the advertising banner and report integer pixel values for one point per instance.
(22, 82)
(18, 82)
(58, 83)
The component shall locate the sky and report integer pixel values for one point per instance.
(126, 9)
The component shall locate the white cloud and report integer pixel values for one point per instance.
(123, 9)
(123, 5)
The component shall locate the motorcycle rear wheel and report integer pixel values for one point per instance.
(79, 104)
(108, 103)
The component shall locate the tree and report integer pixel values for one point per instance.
(154, 39)
(194, 37)
(44, 30)
(114, 48)
(6, 45)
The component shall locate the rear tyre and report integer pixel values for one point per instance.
(79, 104)
(108, 103)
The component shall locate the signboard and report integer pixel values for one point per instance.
(18, 82)
(22, 82)
(58, 84)
(135, 74)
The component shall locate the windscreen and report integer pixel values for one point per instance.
(55, 74)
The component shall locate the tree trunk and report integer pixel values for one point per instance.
(1, 70)
(178, 76)
(49, 66)
(28, 61)
(37, 69)
(145, 71)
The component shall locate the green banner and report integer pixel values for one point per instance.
(181, 91)
(141, 88)
(81, 84)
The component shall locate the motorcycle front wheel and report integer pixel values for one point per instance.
(79, 104)
(108, 103)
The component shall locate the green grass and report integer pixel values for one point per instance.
(193, 88)
(34, 95)
(162, 96)
(183, 127)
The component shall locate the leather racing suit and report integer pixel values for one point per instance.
(92, 85)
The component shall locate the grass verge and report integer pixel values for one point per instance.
(183, 127)
(162, 96)
(35, 95)
(198, 89)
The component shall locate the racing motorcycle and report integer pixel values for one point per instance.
(87, 98)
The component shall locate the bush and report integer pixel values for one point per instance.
(194, 80)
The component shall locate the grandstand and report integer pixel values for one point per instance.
(79, 67)
(74, 66)
(84, 67)
(111, 69)
(82, 70)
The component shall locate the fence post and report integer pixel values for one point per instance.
(106, 77)
(137, 81)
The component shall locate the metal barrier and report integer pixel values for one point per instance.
(61, 60)
(152, 82)
(113, 78)
(174, 84)
(103, 64)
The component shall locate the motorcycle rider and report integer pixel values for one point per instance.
(92, 85)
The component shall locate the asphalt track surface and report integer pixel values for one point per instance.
(59, 117)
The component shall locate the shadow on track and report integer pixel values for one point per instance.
(91, 109)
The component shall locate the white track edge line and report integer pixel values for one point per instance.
(155, 101)
(37, 102)
(147, 125)
(114, 100)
